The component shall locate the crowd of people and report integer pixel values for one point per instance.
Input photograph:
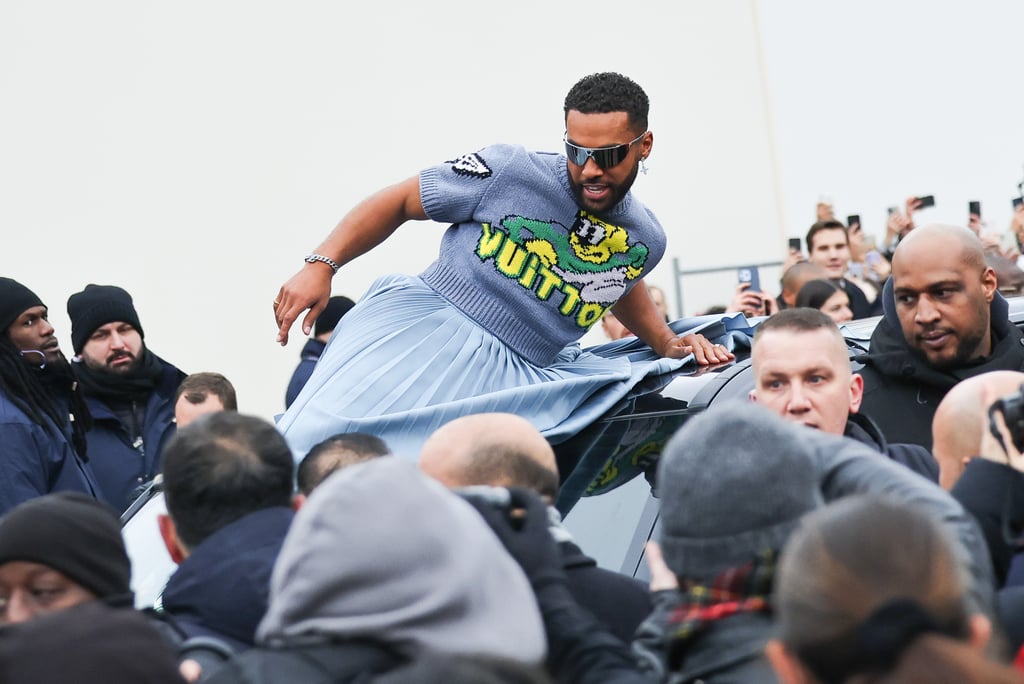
(845, 270)
(851, 521)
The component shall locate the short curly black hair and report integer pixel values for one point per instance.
(609, 92)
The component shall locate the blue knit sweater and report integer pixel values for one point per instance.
(521, 258)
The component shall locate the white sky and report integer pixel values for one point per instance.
(875, 101)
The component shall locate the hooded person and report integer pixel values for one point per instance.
(421, 573)
(733, 483)
(68, 543)
(43, 416)
(130, 391)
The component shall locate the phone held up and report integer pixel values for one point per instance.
(749, 274)
(853, 220)
(974, 208)
(794, 244)
(926, 201)
(1018, 202)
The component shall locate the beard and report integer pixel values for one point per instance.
(618, 191)
(123, 368)
(966, 351)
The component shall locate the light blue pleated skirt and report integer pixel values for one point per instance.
(404, 361)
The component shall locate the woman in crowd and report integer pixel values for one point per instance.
(870, 590)
(828, 298)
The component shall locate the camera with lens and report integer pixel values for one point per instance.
(1012, 409)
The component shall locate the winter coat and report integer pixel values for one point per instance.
(36, 461)
(620, 602)
(310, 355)
(913, 456)
(221, 589)
(901, 391)
(122, 467)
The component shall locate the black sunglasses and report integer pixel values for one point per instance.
(604, 157)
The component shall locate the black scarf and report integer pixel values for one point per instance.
(121, 388)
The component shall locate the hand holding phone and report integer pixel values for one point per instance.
(794, 244)
(925, 201)
(749, 274)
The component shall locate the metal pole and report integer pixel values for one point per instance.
(678, 276)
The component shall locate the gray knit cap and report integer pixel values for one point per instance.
(733, 482)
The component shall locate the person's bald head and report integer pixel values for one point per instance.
(796, 276)
(498, 449)
(960, 418)
(962, 244)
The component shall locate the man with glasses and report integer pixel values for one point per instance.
(539, 246)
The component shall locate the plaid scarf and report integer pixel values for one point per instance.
(743, 589)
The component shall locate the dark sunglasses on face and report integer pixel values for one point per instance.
(604, 157)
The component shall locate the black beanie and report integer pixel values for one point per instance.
(98, 305)
(332, 313)
(75, 535)
(15, 299)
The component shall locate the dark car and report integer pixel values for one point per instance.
(606, 499)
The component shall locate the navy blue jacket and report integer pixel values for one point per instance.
(221, 589)
(913, 456)
(310, 355)
(35, 461)
(121, 467)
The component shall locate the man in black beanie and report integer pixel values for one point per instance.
(43, 417)
(59, 551)
(325, 324)
(129, 389)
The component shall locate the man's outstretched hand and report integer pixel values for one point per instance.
(310, 289)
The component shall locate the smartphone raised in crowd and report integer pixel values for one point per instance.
(749, 274)
(853, 220)
(1017, 201)
(926, 201)
(794, 244)
(974, 208)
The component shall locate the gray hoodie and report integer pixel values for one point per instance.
(382, 552)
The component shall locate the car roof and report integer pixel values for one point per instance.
(606, 498)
